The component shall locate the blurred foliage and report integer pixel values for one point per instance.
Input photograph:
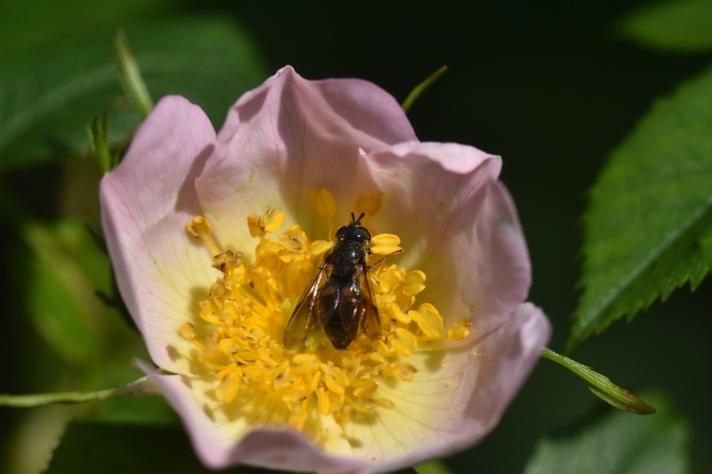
(432, 467)
(36, 437)
(648, 229)
(30, 25)
(121, 448)
(54, 79)
(620, 444)
(682, 25)
(47, 98)
(66, 270)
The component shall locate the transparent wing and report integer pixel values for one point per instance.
(304, 319)
(371, 322)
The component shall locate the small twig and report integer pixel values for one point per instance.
(422, 87)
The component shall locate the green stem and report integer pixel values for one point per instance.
(142, 386)
(131, 80)
(422, 87)
(601, 386)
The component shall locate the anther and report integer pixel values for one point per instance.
(200, 228)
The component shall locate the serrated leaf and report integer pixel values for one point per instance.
(678, 26)
(35, 437)
(649, 221)
(47, 98)
(619, 444)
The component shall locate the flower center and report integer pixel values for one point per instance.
(239, 331)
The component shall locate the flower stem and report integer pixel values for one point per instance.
(142, 386)
(131, 80)
(422, 87)
(601, 386)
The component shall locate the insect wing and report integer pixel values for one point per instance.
(371, 322)
(304, 318)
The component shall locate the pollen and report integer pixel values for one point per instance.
(238, 328)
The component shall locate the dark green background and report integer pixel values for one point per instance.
(549, 86)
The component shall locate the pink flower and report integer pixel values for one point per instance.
(293, 158)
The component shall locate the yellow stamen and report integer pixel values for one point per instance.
(270, 222)
(460, 330)
(238, 328)
(385, 244)
(429, 320)
(200, 229)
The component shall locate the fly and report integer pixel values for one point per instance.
(339, 298)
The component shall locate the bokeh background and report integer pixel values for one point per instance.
(552, 87)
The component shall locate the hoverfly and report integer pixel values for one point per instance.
(339, 299)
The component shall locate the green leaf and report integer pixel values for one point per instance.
(648, 227)
(130, 75)
(47, 98)
(121, 448)
(678, 26)
(34, 438)
(431, 467)
(601, 386)
(33, 24)
(65, 269)
(99, 142)
(619, 444)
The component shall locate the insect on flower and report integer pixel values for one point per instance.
(339, 299)
(277, 335)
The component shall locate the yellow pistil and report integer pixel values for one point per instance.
(239, 327)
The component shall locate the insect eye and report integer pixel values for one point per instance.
(363, 234)
(341, 232)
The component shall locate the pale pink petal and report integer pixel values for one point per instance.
(271, 448)
(289, 136)
(146, 202)
(508, 357)
(457, 224)
(447, 410)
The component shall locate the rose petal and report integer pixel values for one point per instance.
(218, 446)
(292, 135)
(146, 202)
(457, 396)
(508, 357)
(458, 225)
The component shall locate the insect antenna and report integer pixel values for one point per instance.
(355, 219)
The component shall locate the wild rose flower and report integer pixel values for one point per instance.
(215, 238)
